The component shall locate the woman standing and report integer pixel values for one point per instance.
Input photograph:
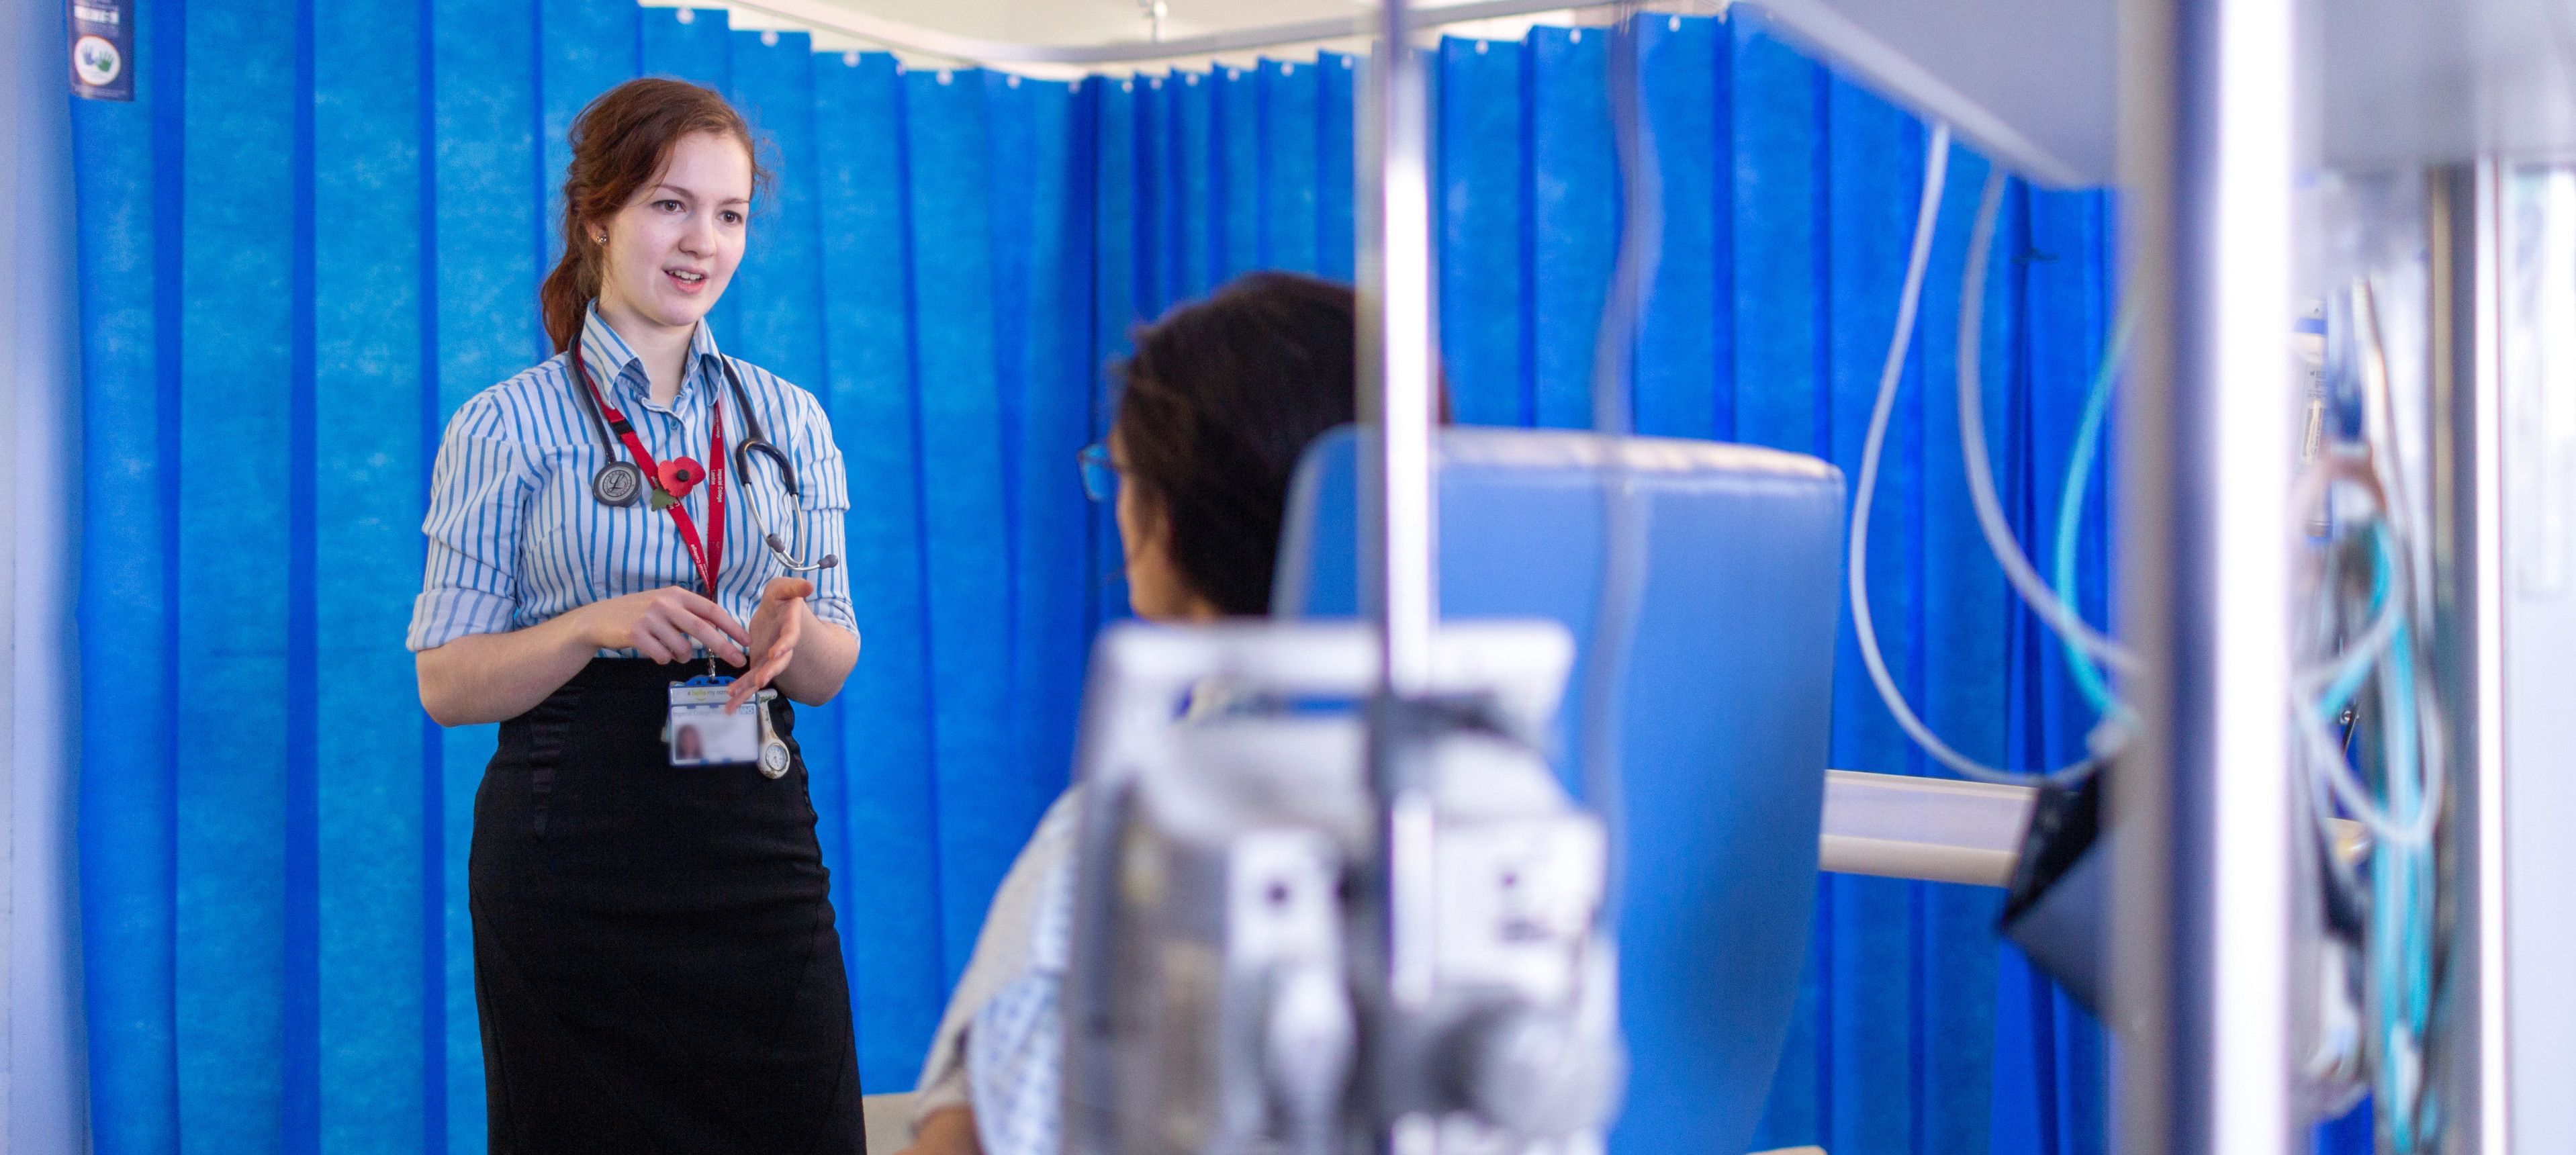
(655, 959)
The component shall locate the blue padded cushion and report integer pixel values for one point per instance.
(1725, 718)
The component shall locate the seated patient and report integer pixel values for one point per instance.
(1216, 405)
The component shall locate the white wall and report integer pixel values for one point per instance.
(44, 1066)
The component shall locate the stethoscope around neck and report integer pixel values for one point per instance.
(621, 482)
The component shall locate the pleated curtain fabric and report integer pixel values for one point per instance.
(321, 225)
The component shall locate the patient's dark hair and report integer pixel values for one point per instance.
(1215, 406)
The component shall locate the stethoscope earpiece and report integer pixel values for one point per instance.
(779, 547)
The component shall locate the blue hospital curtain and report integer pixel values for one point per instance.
(320, 228)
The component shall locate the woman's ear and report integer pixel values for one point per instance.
(1155, 589)
(1142, 525)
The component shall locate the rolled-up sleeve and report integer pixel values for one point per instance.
(477, 494)
(823, 506)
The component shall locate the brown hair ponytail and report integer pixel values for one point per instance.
(619, 144)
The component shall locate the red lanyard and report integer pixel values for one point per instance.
(709, 556)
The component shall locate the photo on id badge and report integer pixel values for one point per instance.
(703, 733)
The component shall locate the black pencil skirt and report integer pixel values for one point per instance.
(655, 960)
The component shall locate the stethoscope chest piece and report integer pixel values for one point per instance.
(618, 483)
(773, 749)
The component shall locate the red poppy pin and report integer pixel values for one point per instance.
(680, 475)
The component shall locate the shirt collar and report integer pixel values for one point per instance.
(621, 371)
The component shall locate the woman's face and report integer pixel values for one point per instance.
(1155, 588)
(674, 247)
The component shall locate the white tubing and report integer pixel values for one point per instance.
(1972, 447)
(1935, 171)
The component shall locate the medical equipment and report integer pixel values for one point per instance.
(1935, 172)
(1380, 931)
(2034, 590)
(2363, 946)
(1218, 998)
(756, 441)
(2070, 509)
(1623, 529)
(621, 483)
(2365, 628)
(1725, 695)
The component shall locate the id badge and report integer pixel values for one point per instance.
(703, 733)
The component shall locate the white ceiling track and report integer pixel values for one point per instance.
(2070, 148)
(917, 40)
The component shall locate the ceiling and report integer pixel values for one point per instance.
(2029, 82)
(2047, 114)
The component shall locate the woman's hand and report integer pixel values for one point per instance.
(665, 625)
(776, 627)
(496, 677)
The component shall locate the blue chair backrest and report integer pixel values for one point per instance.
(1724, 721)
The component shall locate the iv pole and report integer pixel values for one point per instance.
(2202, 944)
(1395, 354)
(1395, 341)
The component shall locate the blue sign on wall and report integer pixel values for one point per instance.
(102, 49)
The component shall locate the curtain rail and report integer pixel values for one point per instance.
(904, 37)
(1817, 24)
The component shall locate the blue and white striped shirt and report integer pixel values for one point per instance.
(515, 537)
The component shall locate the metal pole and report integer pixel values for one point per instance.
(2202, 807)
(2479, 409)
(1395, 352)
(1395, 321)
(2464, 251)
(2531, 669)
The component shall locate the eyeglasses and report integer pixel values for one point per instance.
(1099, 474)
